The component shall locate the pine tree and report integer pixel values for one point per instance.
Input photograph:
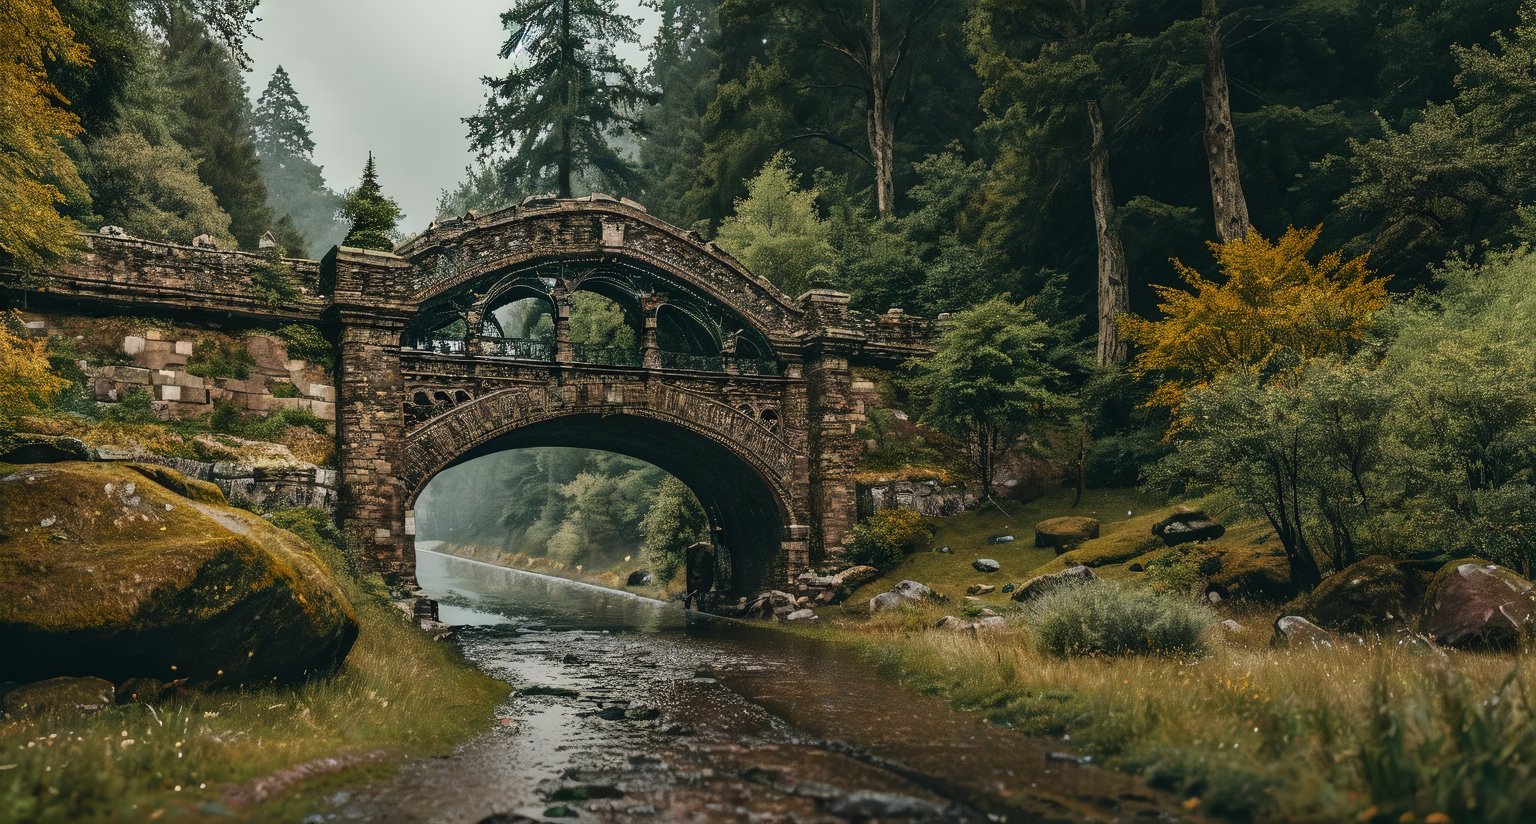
(556, 112)
(214, 124)
(281, 120)
(372, 214)
(295, 184)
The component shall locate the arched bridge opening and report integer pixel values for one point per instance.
(749, 519)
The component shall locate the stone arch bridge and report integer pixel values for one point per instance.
(578, 322)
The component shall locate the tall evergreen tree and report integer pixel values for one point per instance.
(295, 184)
(557, 113)
(685, 72)
(373, 215)
(214, 124)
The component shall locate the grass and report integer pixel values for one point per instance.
(967, 536)
(1380, 732)
(398, 693)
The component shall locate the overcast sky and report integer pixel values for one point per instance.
(394, 77)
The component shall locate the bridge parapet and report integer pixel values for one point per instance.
(154, 276)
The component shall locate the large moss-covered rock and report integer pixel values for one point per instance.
(1472, 603)
(1371, 593)
(106, 572)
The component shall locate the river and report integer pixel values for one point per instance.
(628, 709)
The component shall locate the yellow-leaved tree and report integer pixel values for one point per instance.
(1271, 308)
(36, 176)
(26, 385)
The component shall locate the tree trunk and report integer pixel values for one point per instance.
(567, 63)
(1114, 287)
(882, 144)
(1227, 201)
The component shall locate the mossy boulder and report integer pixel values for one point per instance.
(1472, 603)
(1372, 593)
(1066, 531)
(121, 571)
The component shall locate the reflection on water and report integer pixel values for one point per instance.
(631, 709)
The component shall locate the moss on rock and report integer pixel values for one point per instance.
(107, 571)
(1371, 593)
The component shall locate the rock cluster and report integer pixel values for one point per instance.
(905, 593)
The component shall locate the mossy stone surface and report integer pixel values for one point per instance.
(1372, 593)
(106, 572)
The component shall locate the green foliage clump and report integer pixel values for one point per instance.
(886, 537)
(284, 389)
(272, 281)
(133, 406)
(1106, 619)
(220, 358)
(305, 342)
(987, 381)
(674, 522)
(777, 232)
(372, 215)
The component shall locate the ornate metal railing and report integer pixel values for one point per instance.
(523, 348)
(442, 346)
(604, 355)
(692, 362)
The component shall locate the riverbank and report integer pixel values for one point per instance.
(268, 753)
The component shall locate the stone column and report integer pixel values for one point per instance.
(562, 301)
(472, 323)
(728, 354)
(834, 416)
(370, 431)
(650, 351)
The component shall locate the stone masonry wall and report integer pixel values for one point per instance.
(154, 359)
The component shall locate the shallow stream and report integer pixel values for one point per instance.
(628, 709)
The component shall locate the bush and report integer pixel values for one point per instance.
(284, 389)
(884, 538)
(133, 406)
(272, 282)
(1106, 619)
(217, 358)
(306, 343)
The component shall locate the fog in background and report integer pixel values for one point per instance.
(394, 77)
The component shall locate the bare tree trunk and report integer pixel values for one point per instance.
(1114, 287)
(567, 62)
(1227, 201)
(882, 145)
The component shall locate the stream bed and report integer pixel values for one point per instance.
(628, 709)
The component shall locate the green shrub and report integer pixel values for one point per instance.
(226, 417)
(1107, 619)
(284, 389)
(272, 281)
(133, 406)
(307, 343)
(218, 358)
(884, 538)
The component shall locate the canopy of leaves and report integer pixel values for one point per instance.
(987, 382)
(674, 522)
(26, 384)
(152, 191)
(777, 232)
(36, 176)
(1273, 308)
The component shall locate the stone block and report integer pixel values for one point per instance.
(322, 392)
(168, 392)
(160, 360)
(159, 346)
(153, 334)
(133, 345)
(254, 402)
(267, 350)
(162, 376)
(295, 364)
(183, 347)
(128, 374)
(189, 381)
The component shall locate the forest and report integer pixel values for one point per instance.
(1191, 227)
